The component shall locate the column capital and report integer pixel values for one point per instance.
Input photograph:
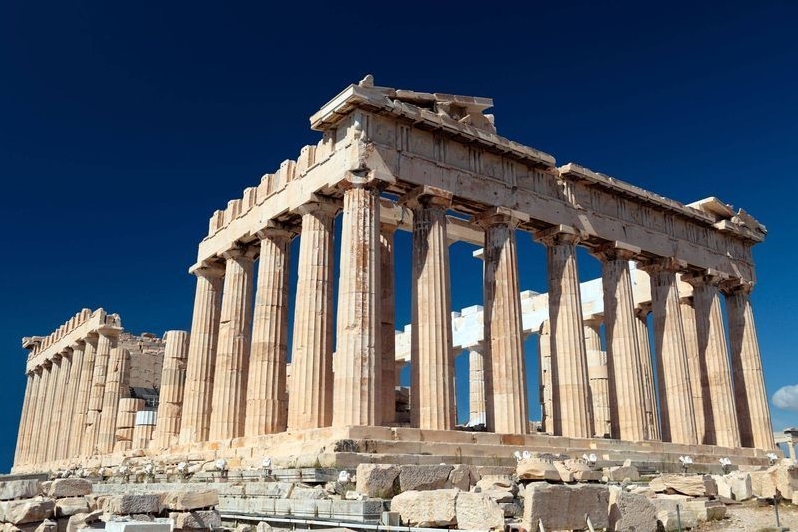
(642, 310)
(240, 252)
(78, 345)
(500, 216)
(708, 276)
(736, 285)
(558, 234)
(276, 230)
(668, 264)
(388, 229)
(110, 331)
(354, 179)
(615, 250)
(207, 269)
(320, 205)
(478, 346)
(426, 196)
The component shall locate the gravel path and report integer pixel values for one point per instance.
(749, 517)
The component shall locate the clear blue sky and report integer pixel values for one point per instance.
(122, 127)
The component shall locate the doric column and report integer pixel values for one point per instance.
(571, 414)
(696, 367)
(267, 400)
(675, 394)
(626, 381)
(388, 325)
(82, 399)
(201, 362)
(546, 383)
(59, 421)
(647, 370)
(431, 355)
(228, 407)
(106, 341)
(750, 397)
(722, 429)
(34, 417)
(598, 378)
(310, 397)
(53, 406)
(70, 430)
(476, 384)
(506, 404)
(358, 358)
(170, 397)
(117, 385)
(40, 429)
(27, 403)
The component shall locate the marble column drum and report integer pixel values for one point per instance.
(84, 391)
(675, 392)
(59, 420)
(545, 376)
(43, 415)
(228, 408)
(70, 430)
(506, 403)
(358, 360)
(477, 408)
(267, 400)
(201, 361)
(750, 396)
(598, 379)
(19, 452)
(388, 324)
(170, 396)
(696, 367)
(106, 341)
(311, 385)
(571, 414)
(50, 420)
(431, 354)
(647, 371)
(117, 386)
(626, 385)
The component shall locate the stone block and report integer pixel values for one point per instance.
(69, 506)
(724, 490)
(423, 477)
(210, 519)
(368, 510)
(48, 525)
(475, 511)
(631, 511)
(304, 507)
(621, 473)
(190, 500)
(740, 485)
(535, 469)
(273, 490)
(461, 477)
(27, 510)
(566, 475)
(69, 487)
(565, 506)
(693, 485)
(81, 520)
(667, 515)
(378, 480)
(134, 503)
(497, 482)
(307, 493)
(432, 508)
(500, 496)
(706, 510)
(22, 527)
(137, 526)
(18, 489)
(512, 509)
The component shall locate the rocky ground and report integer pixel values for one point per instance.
(750, 517)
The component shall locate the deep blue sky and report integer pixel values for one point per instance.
(122, 127)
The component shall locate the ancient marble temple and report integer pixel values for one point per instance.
(433, 164)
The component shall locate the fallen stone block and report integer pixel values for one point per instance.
(81, 520)
(432, 508)
(535, 469)
(138, 503)
(706, 510)
(566, 475)
(273, 490)
(423, 477)
(69, 506)
(621, 473)
(496, 483)
(580, 471)
(27, 510)
(631, 511)
(48, 525)
(307, 493)
(22, 527)
(69, 487)
(461, 477)
(475, 511)
(190, 500)
(512, 509)
(18, 489)
(740, 484)
(210, 519)
(561, 506)
(138, 526)
(669, 517)
(377, 480)
(693, 485)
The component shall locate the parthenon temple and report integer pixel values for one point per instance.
(657, 356)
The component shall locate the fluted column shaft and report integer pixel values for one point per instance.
(53, 406)
(82, 399)
(228, 408)
(388, 325)
(675, 392)
(546, 383)
(42, 427)
(105, 342)
(60, 418)
(626, 385)
(598, 379)
(116, 387)
(431, 355)
(750, 396)
(170, 397)
(358, 359)
(201, 362)
(69, 431)
(696, 367)
(647, 371)
(506, 404)
(572, 414)
(27, 404)
(267, 399)
(476, 384)
(310, 397)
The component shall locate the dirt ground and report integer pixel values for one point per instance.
(749, 517)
